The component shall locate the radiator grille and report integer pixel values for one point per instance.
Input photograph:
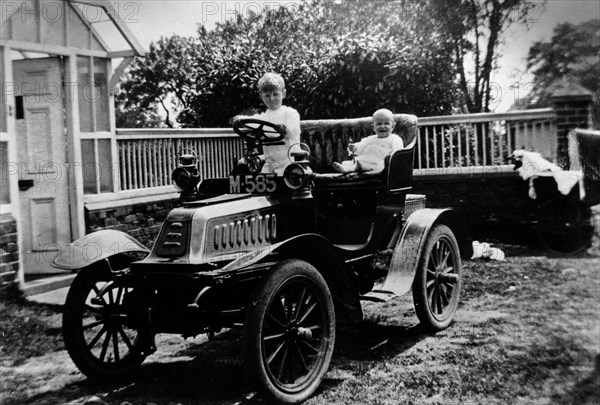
(252, 231)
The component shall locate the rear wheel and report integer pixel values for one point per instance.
(437, 284)
(565, 225)
(102, 334)
(290, 332)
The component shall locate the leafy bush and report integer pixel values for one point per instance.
(338, 59)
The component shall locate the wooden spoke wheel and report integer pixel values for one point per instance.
(290, 332)
(102, 335)
(437, 284)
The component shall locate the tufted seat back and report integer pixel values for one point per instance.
(328, 139)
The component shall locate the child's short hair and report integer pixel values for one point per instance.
(270, 82)
(384, 111)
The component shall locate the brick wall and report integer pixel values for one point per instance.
(9, 250)
(142, 221)
(573, 106)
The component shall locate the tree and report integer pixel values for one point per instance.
(573, 53)
(476, 28)
(135, 117)
(333, 69)
(163, 76)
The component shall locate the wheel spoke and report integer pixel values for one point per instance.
(301, 359)
(97, 291)
(446, 256)
(282, 363)
(289, 305)
(125, 338)
(277, 321)
(93, 324)
(119, 295)
(99, 311)
(433, 256)
(314, 327)
(430, 296)
(306, 314)
(438, 298)
(105, 346)
(96, 338)
(300, 303)
(276, 352)
(116, 345)
(272, 337)
(279, 309)
(311, 347)
(439, 250)
(292, 366)
(430, 283)
(444, 295)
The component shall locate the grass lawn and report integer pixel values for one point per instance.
(527, 332)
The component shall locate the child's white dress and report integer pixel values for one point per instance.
(276, 156)
(372, 150)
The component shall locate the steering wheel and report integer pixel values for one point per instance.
(258, 130)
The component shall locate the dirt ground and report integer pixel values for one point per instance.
(527, 332)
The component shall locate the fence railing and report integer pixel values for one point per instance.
(147, 156)
(485, 139)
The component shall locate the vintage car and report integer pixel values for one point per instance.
(288, 258)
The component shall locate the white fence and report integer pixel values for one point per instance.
(485, 139)
(147, 156)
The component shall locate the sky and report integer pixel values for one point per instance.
(148, 20)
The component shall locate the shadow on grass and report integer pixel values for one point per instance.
(212, 372)
(586, 391)
(373, 341)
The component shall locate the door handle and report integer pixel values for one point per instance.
(25, 184)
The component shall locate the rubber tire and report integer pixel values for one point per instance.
(74, 336)
(430, 320)
(282, 276)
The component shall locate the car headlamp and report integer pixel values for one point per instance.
(295, 176)
(186, 176)
(182, 178)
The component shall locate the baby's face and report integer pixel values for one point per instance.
(383, 125)
(272, 98)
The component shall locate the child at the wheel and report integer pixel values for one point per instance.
(271, 88)
(369, 153)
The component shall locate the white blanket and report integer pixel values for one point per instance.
(534, 165)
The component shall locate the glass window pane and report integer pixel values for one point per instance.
(4, 186)
(89, 166)
(105, 166)
(4, 82)
(101, 98)
(86, 94)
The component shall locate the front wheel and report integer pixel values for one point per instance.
(102, 333)
(290, 332)
(436, 288)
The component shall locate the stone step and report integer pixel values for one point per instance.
(47, 284)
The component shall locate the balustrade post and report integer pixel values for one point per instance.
(573, 106)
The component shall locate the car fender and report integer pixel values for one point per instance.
(325, 257)
(94, 247)
(408, 250)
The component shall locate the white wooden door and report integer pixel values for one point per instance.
(42, 162)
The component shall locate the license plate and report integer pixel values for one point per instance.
(252, 183)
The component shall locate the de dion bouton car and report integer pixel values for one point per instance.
(287, 258)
